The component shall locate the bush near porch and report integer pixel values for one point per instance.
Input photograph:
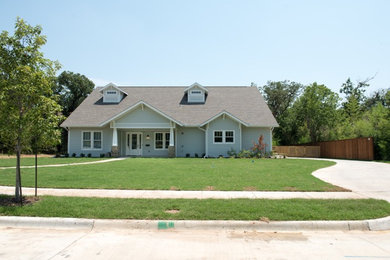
(182, 174)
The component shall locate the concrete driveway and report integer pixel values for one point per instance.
(371, 179)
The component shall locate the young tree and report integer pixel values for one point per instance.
(26, 83)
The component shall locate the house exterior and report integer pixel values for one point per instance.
(167, 121)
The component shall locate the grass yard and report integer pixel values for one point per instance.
(209, 209)
(182, 174)
(11, 162)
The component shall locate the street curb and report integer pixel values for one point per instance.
(102, 224)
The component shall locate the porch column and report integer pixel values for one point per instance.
(171, 148)
(114, 147)
(171, 139)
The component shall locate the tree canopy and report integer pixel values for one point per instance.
(72, 88)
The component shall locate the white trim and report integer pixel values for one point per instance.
(163, 140)
(142, 125)
(176, 141)
(112, 85)
(68, 140)
(128, 150)
(224, 113)
(135, 106)
(224, 137)
(207, 139)
(240, 128)
(196, 84)
(92, 140)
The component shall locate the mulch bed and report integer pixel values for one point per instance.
(8, 201)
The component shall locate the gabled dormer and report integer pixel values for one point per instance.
(112, 94)
(196, 93)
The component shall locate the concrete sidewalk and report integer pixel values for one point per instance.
(64, 164)
(170, 194)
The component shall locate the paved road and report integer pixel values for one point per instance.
(186, 244)
(369, 179)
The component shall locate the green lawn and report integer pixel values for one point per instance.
(192, 209)
(11, 162)
(182, 174)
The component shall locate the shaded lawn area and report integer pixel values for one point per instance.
(182, 174)
(11, 162)
(208, 209)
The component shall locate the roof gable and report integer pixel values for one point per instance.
(196, 85)
(112, 86)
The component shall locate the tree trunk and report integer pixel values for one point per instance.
(36, 172)
(18, 183)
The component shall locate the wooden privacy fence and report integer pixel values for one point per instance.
(356, 149)
(298, 151)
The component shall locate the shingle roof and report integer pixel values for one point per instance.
(244, 103)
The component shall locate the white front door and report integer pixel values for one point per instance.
(133, 143)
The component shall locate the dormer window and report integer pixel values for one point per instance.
(196, 93)
(112, 94)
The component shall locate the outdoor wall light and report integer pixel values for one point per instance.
(147, 137)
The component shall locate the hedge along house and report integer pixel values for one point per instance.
(169, 121)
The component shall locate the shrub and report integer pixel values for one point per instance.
(258, 148)
(102, 155)
(245, 154)
(57, 155)
(82, 155)
(203, 155)
(196, 155)
(66, 155)
(89, 155)
(73, 154)
(232, 153)
(187, 155)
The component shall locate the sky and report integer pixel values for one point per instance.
(213, 42)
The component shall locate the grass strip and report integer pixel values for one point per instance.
(182, 174)
(196, 209)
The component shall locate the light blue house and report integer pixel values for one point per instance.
(169, 121)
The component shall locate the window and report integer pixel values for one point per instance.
(158, 141)
(218, 136)
(97, 140)
(111, 92)
(86, 140)
(196, 92)
(229, 137)
(224, 137)
(166, 140)
(92, 140)
(161, 141)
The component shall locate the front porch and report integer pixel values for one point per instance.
(143, 142)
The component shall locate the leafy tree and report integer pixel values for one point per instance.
(316, 110)
(354, 97)
(26, 96)
(72, 88)
(378, 96)
(280, 96)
